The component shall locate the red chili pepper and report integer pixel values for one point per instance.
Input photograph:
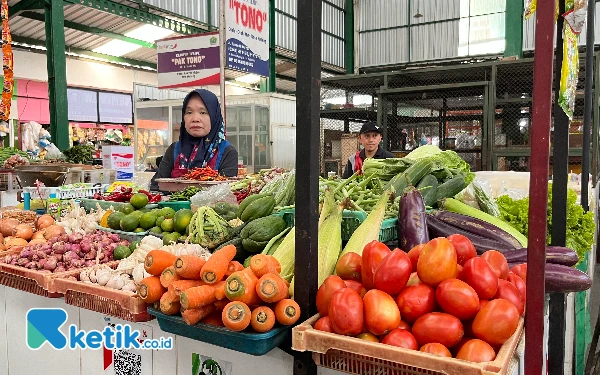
(155, 199)
(150, 196)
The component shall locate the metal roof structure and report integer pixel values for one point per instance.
(90, 24)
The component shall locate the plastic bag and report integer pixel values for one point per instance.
(513, 193)
(214, 194)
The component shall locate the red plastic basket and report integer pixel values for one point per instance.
(356, 356)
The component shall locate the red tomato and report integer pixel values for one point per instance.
(480, 276)
(414, 254)
(476, 350)
(520, 284)
(482, 302)
(459, 270)
(464, 248)
(496, 322)
(413, 279)
(357, 287)
(457, 298)
(346, 312)
(372, 255)
(438, 327)
(456, 348)
(498, 263)
(393, 272)
(323, 324)
(510, 293)
(437, 262)
(401, 338)
(416, 301)
(521, 271)
(349, 266)
(368, 337)
(404, 325)
(437, 349)
(381, 312)
(330, 285)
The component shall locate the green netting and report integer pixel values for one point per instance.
(583, 328)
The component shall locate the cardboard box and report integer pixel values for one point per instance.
(119, 158)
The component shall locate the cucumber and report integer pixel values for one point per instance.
(411, 176)
(451, 187)
(428, 189)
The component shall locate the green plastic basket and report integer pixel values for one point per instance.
(90, 204)
(129, 236)
(350, 221)
(177, 205)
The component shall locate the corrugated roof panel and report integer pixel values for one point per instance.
(144, 54)
(378, 14)
(445, 35)
(383, 47)
(195, 10)
(332, 20)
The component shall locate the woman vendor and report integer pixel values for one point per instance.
(369, 138)
(201, 141)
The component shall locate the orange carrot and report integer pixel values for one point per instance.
(241, 286)
(262, 264)
(236, 316)
(157, 260)
(287, 312)
(234, 266)
(193, 316)
(169, 303)
(168, 276)
(150, 290)
(189, 266)
(220, 305)
(262, 319)
(197, 297)
(271, 288)
(214, 319)
(180, 285)
(220, 291)
(216, 266)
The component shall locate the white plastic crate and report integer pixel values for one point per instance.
(87, 192)
(100, 176)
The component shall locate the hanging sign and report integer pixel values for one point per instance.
(115, 108)
(247, 36)
(188, 61)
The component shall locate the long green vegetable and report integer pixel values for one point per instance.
(454, 205)
(208, 229)
(330, 236)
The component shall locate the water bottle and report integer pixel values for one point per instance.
(26, 201)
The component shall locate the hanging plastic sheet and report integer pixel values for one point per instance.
(530, 7)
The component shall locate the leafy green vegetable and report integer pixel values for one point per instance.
(580, 225)
(80, 154)
(447, 163)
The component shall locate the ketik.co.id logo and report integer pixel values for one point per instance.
(43, 325)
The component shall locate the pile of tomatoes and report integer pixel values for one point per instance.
(439, 298)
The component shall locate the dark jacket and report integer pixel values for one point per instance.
(228, 166)
(380, 154)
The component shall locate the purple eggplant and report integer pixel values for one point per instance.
(478, 227)
(439, 228)
(412, 220)
(554, 254)
(564, 279)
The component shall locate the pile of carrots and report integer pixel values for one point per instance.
(219, 291)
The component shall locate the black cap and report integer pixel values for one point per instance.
(369, 127)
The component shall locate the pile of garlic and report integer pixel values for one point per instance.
(115, 279)
(77, 221)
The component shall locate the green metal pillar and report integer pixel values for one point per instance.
(209, 13)
(349, 36)
(513, 32)
(57, 72)
(272, 55)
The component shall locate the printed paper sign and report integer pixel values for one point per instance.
(128, 361)
(189, 61)
(247, 36)
(203, 365)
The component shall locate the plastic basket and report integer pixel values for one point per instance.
(177, 205)
(245, 342)
(129, 236)
(356, 356)
(91, 204)
(100, 176)
(121, 304)
(64, 193)
(350, 221)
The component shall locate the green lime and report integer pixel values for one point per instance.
(168, 212)
(182, 220)
(133, 245)
(129, 223)
(121, 252)
(114, 220)
(148, 220)
(170, 237)
(139, 230)
(159, 220)
(127, 208)
(167, 225)
(139, 200)
(156, 230)
(145, 210)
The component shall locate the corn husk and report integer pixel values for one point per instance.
(330, 235)
(286, 255)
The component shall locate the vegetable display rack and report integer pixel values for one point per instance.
(61, 193)
(245, 342)
(178, 184)
(118, 303)
(356, 356)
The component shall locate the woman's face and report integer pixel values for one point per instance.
(196, 117)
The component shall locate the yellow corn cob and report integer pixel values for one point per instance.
(330, 235)
(286, 254)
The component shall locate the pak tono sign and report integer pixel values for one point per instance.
(247, 36)
(188, 61)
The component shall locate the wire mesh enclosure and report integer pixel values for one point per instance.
(480, 110)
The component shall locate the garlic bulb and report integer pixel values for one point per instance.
(103, 276)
